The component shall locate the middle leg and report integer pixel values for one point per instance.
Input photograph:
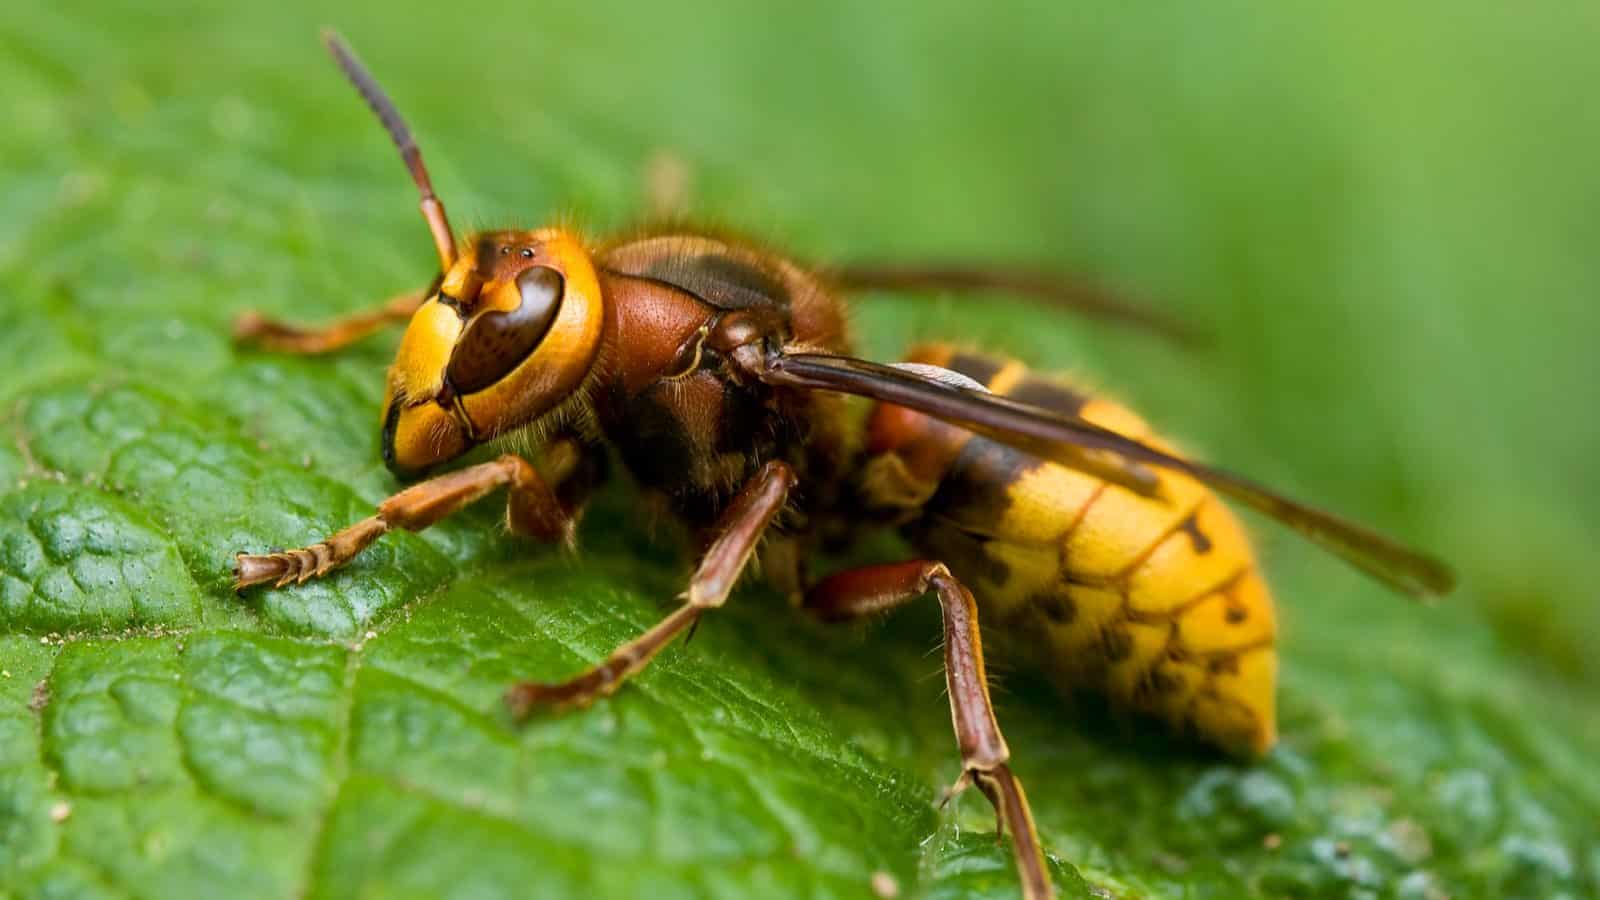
(856, 593)
(738, 532)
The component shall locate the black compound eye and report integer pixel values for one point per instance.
(496, 342)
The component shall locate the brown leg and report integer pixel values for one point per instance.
(868, 590)
(532, 509)
(253, 328)
(738, 532)
(1076, 294)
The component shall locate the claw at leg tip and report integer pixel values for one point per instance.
(526, 698)
(520, 701)
(962, 783)
(248, 326)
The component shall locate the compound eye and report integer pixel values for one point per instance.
(497, 342)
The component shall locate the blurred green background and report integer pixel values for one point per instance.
(1385, 216)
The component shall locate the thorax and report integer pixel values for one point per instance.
(685, 426)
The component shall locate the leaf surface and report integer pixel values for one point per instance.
(1323, 199)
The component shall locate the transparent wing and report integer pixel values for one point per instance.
(1052, 435)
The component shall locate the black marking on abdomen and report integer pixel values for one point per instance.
(1117, 642)
(1047, 394)
(1057, 606)
(1157, 682)
(1197, 538)
(1223, 664)
(978, 485)
(978, 367)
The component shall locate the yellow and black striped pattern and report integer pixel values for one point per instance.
(1156, 600)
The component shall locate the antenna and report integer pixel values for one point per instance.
(432, 209)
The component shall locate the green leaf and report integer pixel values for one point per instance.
(1383, 215)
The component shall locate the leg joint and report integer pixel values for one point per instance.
(936, 576)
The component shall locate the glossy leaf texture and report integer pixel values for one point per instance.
(1380, 215)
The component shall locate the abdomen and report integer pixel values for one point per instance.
(1153, 599)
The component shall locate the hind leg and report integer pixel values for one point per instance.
(855, 593)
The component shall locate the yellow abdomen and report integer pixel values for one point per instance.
(1153, 598)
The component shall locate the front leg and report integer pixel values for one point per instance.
(531, 509)
(284, 337)
(737, 533)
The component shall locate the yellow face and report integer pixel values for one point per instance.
(511, 333)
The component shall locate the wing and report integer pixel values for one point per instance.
(1071, 293)
(1055, 436)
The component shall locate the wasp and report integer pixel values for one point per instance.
(716, 371)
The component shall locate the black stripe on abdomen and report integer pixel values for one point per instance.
(1047, 393)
